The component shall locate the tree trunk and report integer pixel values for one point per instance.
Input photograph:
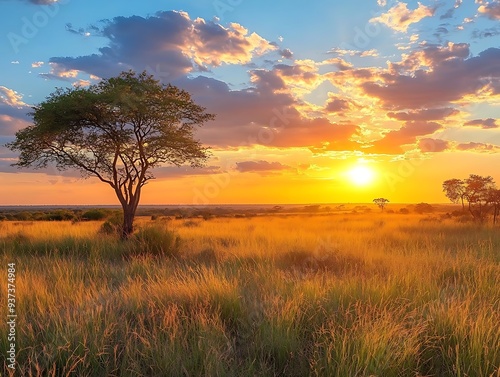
(128, 221)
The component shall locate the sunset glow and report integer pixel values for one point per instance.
(361, 175)
(412, 87)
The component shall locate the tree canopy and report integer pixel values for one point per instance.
(480, 193)
(118, 131)
(381, 202)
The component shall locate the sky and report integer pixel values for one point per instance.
(315, 102)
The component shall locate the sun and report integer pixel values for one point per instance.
(361, 175)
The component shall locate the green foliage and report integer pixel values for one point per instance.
(113, 225)
(118, 131)
(480, 193)
(94, 214)
(154, 240)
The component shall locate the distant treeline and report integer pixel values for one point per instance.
(98, 214)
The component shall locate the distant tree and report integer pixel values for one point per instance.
(495, 201)
(423, 208)
(117, 130)
(381, 203)
(455, 190)
(478, 194)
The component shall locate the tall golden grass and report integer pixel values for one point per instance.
(340, 295)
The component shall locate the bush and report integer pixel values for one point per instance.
(60, 215)
(23, 216)
(404, 211)
(94, 215)
(113, 225)
(423, 208)
(156, 241)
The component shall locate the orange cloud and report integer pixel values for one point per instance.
(491, 9)
(261, 167)
(213, 44)
(399, 17)
(393, 140)
(433, 145)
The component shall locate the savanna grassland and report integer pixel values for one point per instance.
(320, 295)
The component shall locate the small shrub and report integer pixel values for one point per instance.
(191, 223)
(113, 226)
(206, 256)
(155, 241)
(423, 208)
(404, 211)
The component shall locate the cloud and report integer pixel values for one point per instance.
(41, 2)
(449, 78)
(339, 63)
(286, 53)
(483, 123)
(13, 112)
(183, 171)
(170, 42)
(399, 17)
(451, 12)
(486, 33)
(81, 83)
(60, 72)
(260, 166)
(424, 114)
(491, 9)
(478, 147)
(9, 125)
(36, 64)
(337, 105)
(393, 140)
(80, 31)
(260, 115)
(11, 97)
(433, 145)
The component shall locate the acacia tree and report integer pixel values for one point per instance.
(381, 203)
(454, 190)
(478, 193)
(117, 130)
